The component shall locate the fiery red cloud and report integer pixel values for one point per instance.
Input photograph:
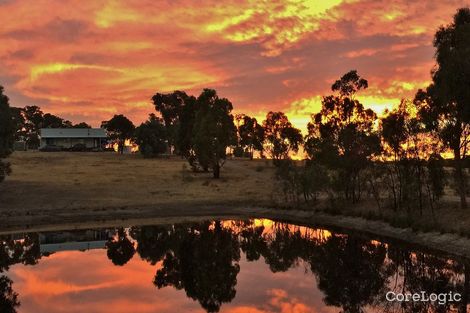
(87, 60)
(51, 286)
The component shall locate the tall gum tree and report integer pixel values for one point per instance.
(214, 130)
(342, 136)
(445, 104)
(7, 132)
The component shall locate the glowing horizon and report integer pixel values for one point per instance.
(88, 60)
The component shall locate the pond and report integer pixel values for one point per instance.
(231, 266)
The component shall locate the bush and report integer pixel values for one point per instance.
(313, 180)
(301, 181)
(436, 176)
(151, 137)
(238, 152)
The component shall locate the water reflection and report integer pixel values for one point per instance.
(350, 273)
(120, 249)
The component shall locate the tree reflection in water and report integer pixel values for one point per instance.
(120, 249)
(203, 259)
(12, 252)
(353, 272)
(350, 271)
(8, 298)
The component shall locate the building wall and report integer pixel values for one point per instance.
(70, 142)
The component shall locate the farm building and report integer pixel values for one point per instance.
(69, 137)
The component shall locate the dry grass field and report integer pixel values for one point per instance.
(55, 187)
(58, 183)
(46, 180)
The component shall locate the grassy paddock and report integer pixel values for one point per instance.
(63, 180)
(45, 184)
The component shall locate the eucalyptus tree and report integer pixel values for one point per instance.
(406, 141)
(445, 104)
(251, 135)
(342, 135)
(7, 130)
(214, 130)
(119, 128)
(53, 121)
(281, 137)
(171, 107)
(151, 136)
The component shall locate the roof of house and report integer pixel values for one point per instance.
(73, 133)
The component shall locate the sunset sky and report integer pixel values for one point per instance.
(87, 60)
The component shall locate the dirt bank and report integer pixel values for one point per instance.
(447, 243)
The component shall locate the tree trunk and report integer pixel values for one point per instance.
(466, 290)
(460, 178)
(216, 170)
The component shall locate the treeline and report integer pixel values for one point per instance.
(29, 120)
(23, 124)
(203, 129)
(351, 153)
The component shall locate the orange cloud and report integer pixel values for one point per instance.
(87, 60)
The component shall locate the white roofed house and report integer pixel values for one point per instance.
(68, 138)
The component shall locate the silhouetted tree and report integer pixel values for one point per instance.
(151, 136)
(81, 125)
(281, 137)
(288, 177)
(7, 129)
(53, 121)
(301, 180)
(465, 289)
(407, 143)
(171, 107)
(12, 251)
(251, 135)
(120, 249)
(8, 297)
(204, 262)
(178, 111)
(349, 271)
(416, 272)
(353, 272)
(30, 119)
(437, 176)
(27, 252)
(252, 242)
(342, 135)
(284, 248)
(153, 242)
(119, 129)
(445, 104)
(18, 122)
(214, 130)
(33, 117)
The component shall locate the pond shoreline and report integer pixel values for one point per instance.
(447, 243)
